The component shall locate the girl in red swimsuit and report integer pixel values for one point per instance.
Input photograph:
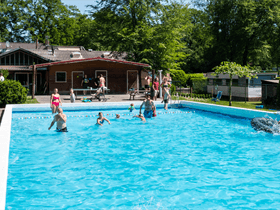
(55, 100)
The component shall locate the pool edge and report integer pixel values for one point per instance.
(5, 132)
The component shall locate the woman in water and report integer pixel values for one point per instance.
(55, 100)
(101, 119)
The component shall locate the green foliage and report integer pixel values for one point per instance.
(12, 92)
(5, 73)
(199, 84)
(234, 69)
(277, 78)
(179, 75)
(190, 77)
(173, 89)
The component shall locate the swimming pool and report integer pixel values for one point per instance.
(187, 159)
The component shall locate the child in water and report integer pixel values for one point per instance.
(141, 117)
(118, 116)
(154, 111)
(131, 108)
(72, 96)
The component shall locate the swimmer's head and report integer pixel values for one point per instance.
(55, 90)
(118, 116)
(100, 114)
(148, 97)
(140, 115)
(131, 104)
(59, 110)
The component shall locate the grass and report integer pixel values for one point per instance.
(31, 101)
(240, 104)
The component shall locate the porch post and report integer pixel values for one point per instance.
(33, 82)
(160, 81)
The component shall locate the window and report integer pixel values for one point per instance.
(60, 77)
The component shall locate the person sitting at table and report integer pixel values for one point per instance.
(55, 100)
(84, 83)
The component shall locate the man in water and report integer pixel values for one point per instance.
(148, 113)
(60, 120)
(101, 119)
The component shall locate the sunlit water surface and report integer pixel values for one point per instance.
(195, 160)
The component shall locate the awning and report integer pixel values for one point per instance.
(92, 59)
(16, 68)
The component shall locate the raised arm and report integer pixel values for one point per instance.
(52, 123)
(107, 120)
(141, 106)
(63, 117)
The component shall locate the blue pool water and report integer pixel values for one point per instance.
(196, 160)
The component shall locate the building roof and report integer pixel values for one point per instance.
(276, 81)
(16, 68)
(26, 51)
(92, 59)
(15, 45)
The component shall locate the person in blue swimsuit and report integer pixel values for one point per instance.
(148, 113)
(101, 119)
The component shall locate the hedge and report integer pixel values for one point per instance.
(12, 92)
(194, 95)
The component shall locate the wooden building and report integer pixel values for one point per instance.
(63, 67)
(119, 75)
(269, 89)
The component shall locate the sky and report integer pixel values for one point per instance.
(81, 4)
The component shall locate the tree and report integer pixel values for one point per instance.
(234, 69)
(148, 31)
(241, 30)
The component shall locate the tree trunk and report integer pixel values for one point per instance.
(229, 88)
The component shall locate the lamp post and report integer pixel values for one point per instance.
(160, 81)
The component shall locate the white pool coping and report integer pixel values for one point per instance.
(5, 128)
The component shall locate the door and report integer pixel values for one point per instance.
(77, 77)
(105, 75)
(23, 79)
(132, 79)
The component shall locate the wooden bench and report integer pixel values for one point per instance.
(134, 92)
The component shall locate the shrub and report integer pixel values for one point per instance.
(278, 95)
(270, 101)
(5, 73)
(179, 75)
(173, 89)
(12, 92)
(277, 78)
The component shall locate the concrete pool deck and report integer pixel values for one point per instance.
(5, 129)
(42, 99)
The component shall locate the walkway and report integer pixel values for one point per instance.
(111, 98)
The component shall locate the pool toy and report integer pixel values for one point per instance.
(265, 124)
(259, 107)
(86, 100)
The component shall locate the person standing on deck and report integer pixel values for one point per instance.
(84, 83)
(102, 83)
(1, 77)
(60, 120)
(55, 101)
(148, 113)
(97, 82)
(147, 85)
(155, 87)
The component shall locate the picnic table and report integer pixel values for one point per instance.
(90, 90)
